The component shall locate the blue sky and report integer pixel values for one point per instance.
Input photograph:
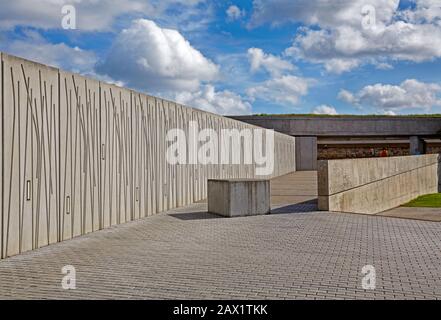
(240, 57)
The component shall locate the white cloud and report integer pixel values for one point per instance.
(342, 42)
(347, 96)
(383, 65)
(282, 90)
(208, 99)
(92, 15)
(351, 47)
(34, 47)
(326, 13)
(282, 87)
(339, 66)
(161, 61)
(324, 109)
(151, 58)
(274, 65)
(184, 15)
(410, 94)
(428, 11)
(234, 13)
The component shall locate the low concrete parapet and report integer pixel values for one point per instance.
(376, 184)
(239, 197)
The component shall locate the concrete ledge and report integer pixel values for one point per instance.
(239, 197)
(375, 185)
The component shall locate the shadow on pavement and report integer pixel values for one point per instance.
(201, 215)
(306, 206)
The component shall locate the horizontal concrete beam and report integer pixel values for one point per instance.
(376, 184)
(348, 126)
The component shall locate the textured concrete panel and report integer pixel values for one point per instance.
(79, 155)
(375, 185)
(236, 198)
(306, 153)
(30, 155)
(116, 160)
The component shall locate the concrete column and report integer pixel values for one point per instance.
(417, 145)
(439, 173)
(306, 153)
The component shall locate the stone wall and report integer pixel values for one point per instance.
(433, 148)
(80, 155)
(376, 184)
(330, 151)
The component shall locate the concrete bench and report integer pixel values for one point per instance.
(239, 197)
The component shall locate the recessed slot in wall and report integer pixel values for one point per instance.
(68, 205)
(103, 152)
(28, 190)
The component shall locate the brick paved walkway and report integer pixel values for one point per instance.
(189, 254)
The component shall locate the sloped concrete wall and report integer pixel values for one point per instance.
(79, 155)
(376, 184)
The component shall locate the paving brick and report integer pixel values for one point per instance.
(187, 253)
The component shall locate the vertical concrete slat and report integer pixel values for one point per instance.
(152, 154)
(66, 194)
(104, 157)
(137, 160)
(80, 157)
(12, 176)
(1, 156)
(147, 161)
(109, 145)
(31, 204)
(136, 153)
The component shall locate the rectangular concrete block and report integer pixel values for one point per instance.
(241, 197)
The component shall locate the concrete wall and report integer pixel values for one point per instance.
(439, 174)
(377, 184)
(238, 198)
(79, 155)
(306, 153)
(350, 126)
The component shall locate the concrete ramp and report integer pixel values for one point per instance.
(374, 185)
(294, 192)
(294, 188)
